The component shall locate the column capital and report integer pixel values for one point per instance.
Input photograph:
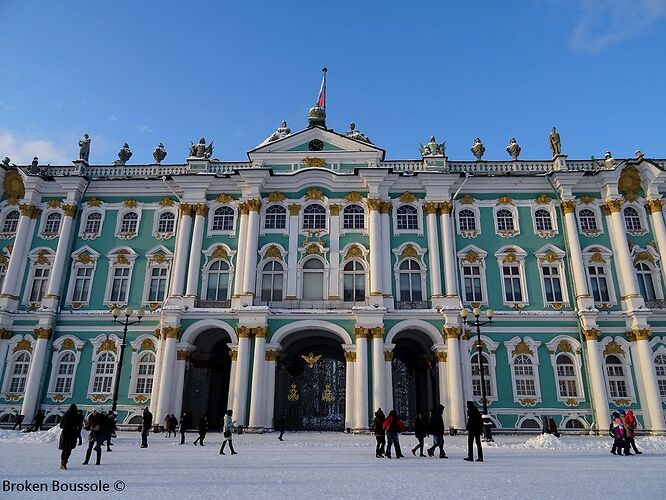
(201, 209)
(69, 210)
(294, 209)
(639, 334)
(451, 332)
(253, 205)
(374, 204)
(653, 206)
(43, 333)
(243, 332)
(5, 334)
(350, 356)
(388, 355)
(385, 207)
(182, 355)
(431, 207)
(441, 356)
(186, 209)
(377, 332)
(612, 206)
(29, 210)
(591, 333)
(171, 332)
(361, 333)
(260, 332)
(233, 355)
(243, 208)
(334, 209)
(272, 355)
(569, 206)
(446, 207)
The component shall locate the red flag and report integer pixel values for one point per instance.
(321, 100)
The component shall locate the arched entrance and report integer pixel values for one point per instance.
(207, 377)
(415, 376)
(310, 382)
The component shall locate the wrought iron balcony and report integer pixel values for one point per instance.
(656, 304)
(213, 304)
(306, 304)
(413, 304)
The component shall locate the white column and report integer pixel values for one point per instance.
(388, 378)
(647, 372)
(378, 387)
(292, 256)
(181, 252)
(387, 272)
(12, 285)
(334, 253)
(168, 372)
(575, 254)
(449, 249)
(271, 361)
(5, 335)
(433, 249)
(194, 268)
(361, 380)
(350, 369)
(624, 265)
(182, 358)
(442, 381)
(258, 394)
(239, 274)
(31, 393)
(595, 370)
(454, 374)
(233, 354)
(376, 270)
(64, 240)
(250, 266)
(654, 207)
(239, 406)
(157, 376)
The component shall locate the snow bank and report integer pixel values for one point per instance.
(568, 443)
(50, 436)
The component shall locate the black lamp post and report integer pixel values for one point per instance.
(126, 322)
(476, 312)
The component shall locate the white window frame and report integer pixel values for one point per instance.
(490, 352)
(34, 265)
(11, 359)
(516, 221)
(513, 256)
(84, 218)
(6, 210)
(597, 215)
(510, 346)
(419, 218)
(76, 264)
(58, 352)
(481, 262)
(264, 209)
(400, 258)
(366, 222)
(138, 351)
(640, 212)
(553, 220)
(655, 275)
(589, 254)
(325, 272)
(543, 260)
(167, 263)
(96, 343)
(164, 235)
(477, 221)
(661, 351)
(625, 360)
(119, 222)
(211, 219)
(209, 259)
(260, 277)
(366, 279)
(112, 256)
(327, 218)
(42, 224)
(575, 356)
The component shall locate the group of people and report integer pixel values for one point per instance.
(170, 425)
(623, 431)
(102, 428)
(37, 422)
(549, 427)
(387, 429)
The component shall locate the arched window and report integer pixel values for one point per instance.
(218, 281)
(354, 217)
(410, 281)
(40, 280)
(276, 217)
(105, 368)
(588, 220)
(11, 222)
(574, 423)
(314, 217)
(52, 223)
(353, 282)
(19, 373)
(645, 281)
(129, 223)
(523, 371)
(504, 220)
(407, 217)
(166, 222)
(660, 369)
(530, 423)
(567, 382)
(476, 376)
(93, 223)
(145, 373)
(3, 272)
(223, 219)
(272, 282)
(313, 279)
(467, 220)
(617, 383)
(65, 373)
(632, 220)
(542, 220)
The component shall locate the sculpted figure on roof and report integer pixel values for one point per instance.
(282, 131)
(352, 133)
(554, 141)
(160, 153)
(433, 148)
(84, 147)
(201, 149)
(477, 148)
(513, 149)
(124, 154)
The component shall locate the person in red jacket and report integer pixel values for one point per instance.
(393, 426)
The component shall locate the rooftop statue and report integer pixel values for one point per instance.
(5, 161)
(281, 132)
(34, 166)
(554, 140)
(478, 149)
(513, 149)
(609, 162)
(84, 147)
(432, 148)
(160, 153)
(201, 149)
(124, 154)
(352, 133)
(639, 155)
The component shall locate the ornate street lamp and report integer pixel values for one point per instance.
(476, 312)
(116, 313)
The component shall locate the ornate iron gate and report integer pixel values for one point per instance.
(404, 392)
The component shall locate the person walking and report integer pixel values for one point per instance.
(174, 424)
(419, 434)
(619, 435)
(436, 429)
(18, 421)
(552, 427)
(630, 425)
(79, 425)
(38, 421)
(184, 426)
(380, 433)
(96, 424)
(228, 432)
(110, 429)
(280, 426)
(167, 426)
(69, 434)
(202, 428)
(393, 426)
(544, 426)
(146, 424)
(474, 429)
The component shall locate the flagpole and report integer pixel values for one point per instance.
(325, 70)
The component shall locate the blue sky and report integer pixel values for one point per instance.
(149, 72)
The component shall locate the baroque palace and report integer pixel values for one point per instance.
(319, 281)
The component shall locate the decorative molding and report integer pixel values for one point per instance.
(385, 207)
(377, 332)
(273, 252)
(334, 209)
(472, 257)
(522, 348)
(201, 209)
(147, 344)
(569, 207)
(504, 200)
(466, 199)
(223, 198)
(564, 346)
(219, 253)
(446, 207)
(613, 348)
(591, 333)
(654, 206)
(374, 204)
(451, 332)
(275, 197)
(23, 345)
(260, 332)
(272, 355)
(361, 333)
(171, 332)
(130, 203)
(186, 209)
(629, 183)
(354, 197)
(441, 356)
(638, 334)
(69, 210)
(94, 202)
(409, 251)
(29, 210)
(354, 251)
(431, 207)
(543, 199)
(43, 333)
(314, 194)
(13, 185)
(5, 334)
(294, 210)
(243, 332)
(407, 197)
(253, 205)
(314, 162)
(586, 199)
(613, 206)
(350, 356)
(182, 355)
(527, 402)
(107, 345)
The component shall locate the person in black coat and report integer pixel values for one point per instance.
(146, 424)
(69, 434)
(18, 422)
(110, 429)
(474, 429)
(280, 427)
(79, 425)
(202, 428)
(38, 421)
(96, 424)
(419, 434)
(380, 433)
(184, 426)
(436, 429)
(174, 424)
(552, 427)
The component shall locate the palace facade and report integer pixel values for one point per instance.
(320, 281)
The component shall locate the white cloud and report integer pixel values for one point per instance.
(22, 148)
(144, 128)
(605, 22)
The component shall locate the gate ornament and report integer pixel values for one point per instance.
(328, 395)
(293, 393)
(311, 359)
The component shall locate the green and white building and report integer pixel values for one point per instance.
(320, 281)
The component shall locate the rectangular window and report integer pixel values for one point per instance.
(599, 284)
(552, 283)
(120, 284)
(39, 283)
(512, 289)
(82, 284)
(158, 281)
(472, 283)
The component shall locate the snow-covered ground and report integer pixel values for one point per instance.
(331, 465)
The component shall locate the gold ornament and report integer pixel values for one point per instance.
(504, 200)
(147, 344)
(219, 253)
(654, 206)
(294, 210)
(69, 210)
(276, 197)
(254, 205)
(591, 333)
(613, 206)
(130, 203)
(243, 332)
(354, 251)
(385, 207)
(521, 348)
(564, 346)
(613, 348)
(293, 393)
(313, 162)
(354, 197)
(472, 257)
(440, 356)
(388, 355)
(43, 333)
(451, 332)
(201, 209)
(543, 199)
(29, 210)
(374, 204)
(273, 252)
(334, 209)
(407, 197)
(182, 355)
(446, 207)
(466, 199)
(171, 332)
(431, 207)
(597, 257)
(107, 345)
(23, 345)
(629, 183)
(569, 206)
(587, 199)
(360, 332)
(13, 185)
(94, 202)
(223, 198)
(166, 202)
(314, 194)
(409, 251)
(311, 359)
(328, 395)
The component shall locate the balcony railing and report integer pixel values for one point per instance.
(307, 304)
(413, 304)
(656, 304)
(213, 304)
